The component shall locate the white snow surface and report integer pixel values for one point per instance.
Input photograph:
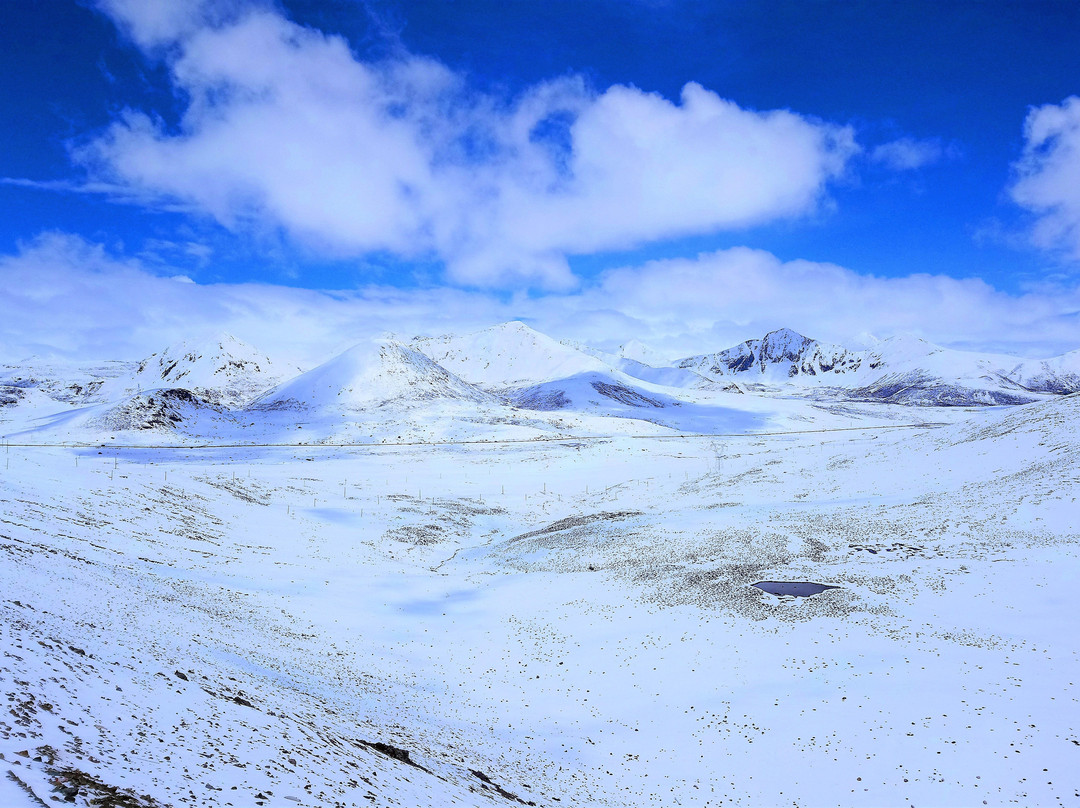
(567, 623)
(388, 583)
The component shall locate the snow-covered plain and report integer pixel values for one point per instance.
(567, 621)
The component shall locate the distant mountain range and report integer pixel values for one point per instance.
(508, 380)
(903, 370)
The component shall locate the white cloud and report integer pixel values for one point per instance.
(724, 297)
(908, 154)
(64, 295)
(286, 127)
(154, 24)
(67, 297)
(1048, 175)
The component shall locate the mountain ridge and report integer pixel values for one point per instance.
(510, 379)
(902, 369)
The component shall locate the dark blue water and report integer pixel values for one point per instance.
(799, 589)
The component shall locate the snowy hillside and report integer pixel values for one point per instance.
(223, 371)
(381, 583)
(1058, 375)
(567, 622)
(373, 374)
(615, 395)
(66, 382)
(19, 403)
(508, 355)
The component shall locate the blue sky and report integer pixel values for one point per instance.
(685, 173)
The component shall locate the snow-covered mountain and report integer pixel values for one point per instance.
(1058, 375)
(506, 382)
(508, 355)
(371, 375)
(902, 370)
(384, 391)
(780, 356)
(511, 356)
(224, 371)
(191, 389)
(66, 382)
(638, 351)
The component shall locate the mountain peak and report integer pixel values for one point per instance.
(507, 355)
(371, 374)
(784, 344)
(638, 351)
(220, 369)
(787, 334)
(779, 356)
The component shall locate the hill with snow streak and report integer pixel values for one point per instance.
(508, 355)
(659, 374)
(616, 395)
(372, 375)
(512, 356)
(383, 391)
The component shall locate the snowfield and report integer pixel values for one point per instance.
(559, 613)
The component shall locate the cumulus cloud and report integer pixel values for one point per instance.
(1047, 179)
(66, 296)
(69, 298)
(741, 291)
(908, 153)
(286, 127)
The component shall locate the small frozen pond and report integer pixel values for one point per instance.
(798, 589)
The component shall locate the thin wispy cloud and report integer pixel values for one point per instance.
(66, 186)
(908, 153)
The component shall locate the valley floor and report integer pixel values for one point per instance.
(554, 623)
